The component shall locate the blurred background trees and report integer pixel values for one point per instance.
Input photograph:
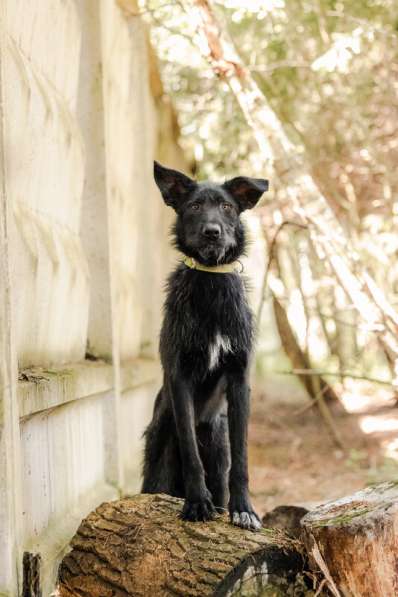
(329, 71)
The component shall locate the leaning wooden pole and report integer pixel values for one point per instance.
(140, 547)
(290, 166)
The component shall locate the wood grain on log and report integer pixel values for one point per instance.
(139, 546)
(354, 541)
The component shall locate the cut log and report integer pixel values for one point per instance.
(354, 541)
(139, 546)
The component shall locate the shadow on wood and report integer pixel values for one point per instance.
(139, 546)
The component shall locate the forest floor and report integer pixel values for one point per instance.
(292, 457)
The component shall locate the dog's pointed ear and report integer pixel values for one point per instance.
(246, 191)
(174, 186)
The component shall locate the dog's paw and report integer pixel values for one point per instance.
(200, 510)
(242, 514)
(246, 520)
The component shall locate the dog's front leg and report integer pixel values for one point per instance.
(240, 508)
(198, 501)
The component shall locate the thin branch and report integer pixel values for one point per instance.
(262, 68)
(313, 402)
(333, 374)
(375, 329)
(321, 585)
(363, 22)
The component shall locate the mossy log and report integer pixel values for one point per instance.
(139, 546)
(354, 541)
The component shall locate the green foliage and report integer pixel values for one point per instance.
(332, 107)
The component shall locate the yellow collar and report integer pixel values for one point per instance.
(226, 268)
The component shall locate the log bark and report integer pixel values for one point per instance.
(139, 546)
(354, 541)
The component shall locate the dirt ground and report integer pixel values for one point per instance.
(292, 457)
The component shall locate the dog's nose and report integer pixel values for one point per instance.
(212, 230)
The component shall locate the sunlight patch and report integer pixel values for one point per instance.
(379, 423)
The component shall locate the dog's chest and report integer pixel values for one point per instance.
(219, 346)
(207, 320)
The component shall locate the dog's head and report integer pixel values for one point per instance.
(208, 226)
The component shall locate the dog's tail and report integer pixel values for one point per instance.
(162, 465)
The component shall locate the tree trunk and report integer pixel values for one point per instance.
(139, 546)
(354, 541)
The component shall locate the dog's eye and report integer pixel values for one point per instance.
(195, 206)
(226, 206)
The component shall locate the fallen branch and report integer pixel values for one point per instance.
(307, 407)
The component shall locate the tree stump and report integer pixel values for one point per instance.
(354, 541)
(139, 546)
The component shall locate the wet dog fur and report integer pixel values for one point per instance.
(196, 443)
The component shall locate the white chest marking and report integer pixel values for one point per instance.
(221, 343)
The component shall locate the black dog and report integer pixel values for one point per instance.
(198, 433)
